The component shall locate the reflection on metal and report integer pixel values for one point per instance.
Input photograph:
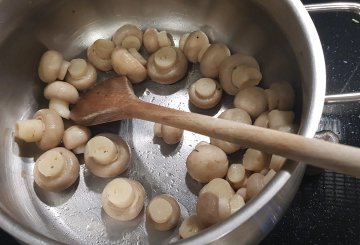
(336, 6)
(341, 98)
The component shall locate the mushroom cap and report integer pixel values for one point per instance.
(86, 81)
(118, 166)
(190, 226)
(272, 99)
(205, 93)
(64, 178)
(126, 64)
(262, 120)
(193, 45)
(227, 67)
(253, 100)
(99, 54)
(242, 192)
(255, 160)
(62, 91)
(157, 130)
(150, 40)
(125, 31)
(236, 175)
(76, 136)
(279, 119)
(182, 41)
(54, 128)
(50, 65)
(207, 162)
(254, 185)
(212, 58)
(170, 74)
(285, 93)
(171, 135)
(235, 114)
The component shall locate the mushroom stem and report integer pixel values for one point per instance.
(163, 39)
(78, 68)
(102, 150)
(205, 88)
(104, 48)
(244, 76)
(160, 210)
(51, 164)
(63, 69)
(80, 149)
(61, 107)
(121, 193)
(131, 42)
(137, 56)
(29, 130)
(165, 58)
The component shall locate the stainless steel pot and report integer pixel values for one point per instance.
(279, 33)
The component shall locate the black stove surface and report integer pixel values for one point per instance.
(326, 208)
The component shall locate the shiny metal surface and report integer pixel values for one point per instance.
(336, 6)
(280, 34)
(341, 98)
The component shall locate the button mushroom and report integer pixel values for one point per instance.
(163, 212)
(236, 175)
(272, 99)
(124, 63)
(56, 169)
(285, 94)
(167, 65)
(182, 40)
(52, 66)
(128, 36)
(107, 155)
(235, 114)
(123, 199)
(257, 182)
(153, 40)
(61, 94)
(277, 162)
(207, 162)
(169, 134)
(190, 227)
(194, 43)
(242, 192)
(46, 129)
(82, 75)
(237, 72)
(76, 137)
(255, 160)
(262, 120)
(99, 54)
(212, 58)
(205, 93)
(253, 100)
(278, 119)
(236, 202)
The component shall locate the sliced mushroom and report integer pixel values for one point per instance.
(56, 169)
(167, 65)
(207, 162)
(107, 155)
(169, 134)
(99, 54)
(124, 63)
(194, 43)
(285, 94)
(212, 58)
(76, 137)
(81, 74)
(190, 227)
(123, 199)
(46, 129)
(262, 120)
(235, 114)
(253, 100)
(278, 119)
(163, 212)
(236, 175)
(61, 94)
(205, 93)
(153, 40)
(277, 162)
(237, 72)
(52, 66)
(255, 160)
(128, 36)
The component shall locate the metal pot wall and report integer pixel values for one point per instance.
(279, 33)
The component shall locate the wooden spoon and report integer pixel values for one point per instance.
(114, 100)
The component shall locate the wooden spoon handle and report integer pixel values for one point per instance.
(322, 154)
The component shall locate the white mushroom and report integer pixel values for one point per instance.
(262, 120)
(125, 63)
(212, 58)
(190, 227)
(235, 114)
(52, 66)
(128, 36)
(182, 40)
(277, 162)
(169, 134)
(153, 40)
(242, 192)
(123, 199)
(255, 160)
(167, 65)
(61, 94)
(236, 175)
(278, 119)
(237, 72)
(46, 129)
(56, 169)
(81, 74)
(107, 155)
(76, 137)
(253, 100)
(99, 54)
(257, 182)
(272, 99)
(205, 93)
(285, 94)
(193, 45)
(163, 212)
(236, 202)
(207, 162)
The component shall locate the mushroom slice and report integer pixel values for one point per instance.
(253, 100)
(169, 134)
(237, 72)
(153, 40)
(205, 93)
(235, 114)
(190, 227)
(82, 75)
(167, 65)
(123, 199)
(99, 54)
(163, 212)
(52, 66)
(46, 129)
(194, 43)
(128, 36)
(56, 169)
(124, 63)
(61, 94)
(236, 175)
(285, 94)
(107, 155)
(76, 137)
(212, 58)
(255, 160)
